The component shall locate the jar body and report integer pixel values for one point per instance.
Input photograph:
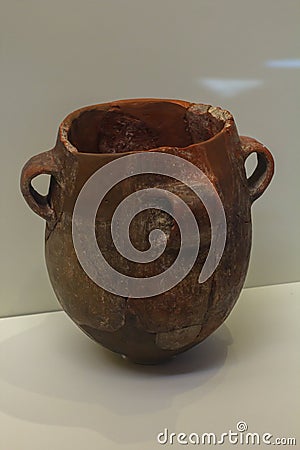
(151, 329)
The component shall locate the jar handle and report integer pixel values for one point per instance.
(263, 173)
(44, 163)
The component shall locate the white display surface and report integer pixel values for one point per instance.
(59, 390)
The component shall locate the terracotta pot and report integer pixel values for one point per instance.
(149, 329)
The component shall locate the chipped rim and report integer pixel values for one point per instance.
(216, 111)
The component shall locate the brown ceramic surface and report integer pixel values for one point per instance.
(148, 330)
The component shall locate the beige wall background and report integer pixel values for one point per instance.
(58, 56)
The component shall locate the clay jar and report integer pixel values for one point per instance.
(149, 329)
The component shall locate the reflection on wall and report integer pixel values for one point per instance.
(229, 87)
(283, 63)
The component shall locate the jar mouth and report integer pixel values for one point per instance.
(141, 124)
